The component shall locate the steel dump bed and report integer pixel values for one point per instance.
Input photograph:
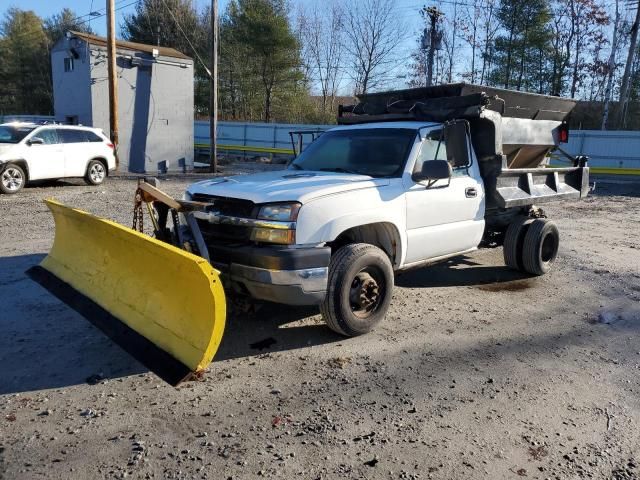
(512, 133)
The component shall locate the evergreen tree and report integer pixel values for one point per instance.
(521, 51)
(24, 69)
(261, 55)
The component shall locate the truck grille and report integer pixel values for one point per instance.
(226, 234)
(233, 207)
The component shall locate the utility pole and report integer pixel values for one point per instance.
(113, 81)
(434, 38)
(213, 100)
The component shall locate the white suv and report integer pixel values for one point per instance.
(30, 151)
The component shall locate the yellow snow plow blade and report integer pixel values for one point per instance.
(163, 305)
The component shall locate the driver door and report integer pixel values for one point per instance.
(446, 217)
(46, 160)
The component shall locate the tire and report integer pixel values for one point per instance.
(359, 289)
(514, 241)
(540, 247)
(96, 173)
(12, 179)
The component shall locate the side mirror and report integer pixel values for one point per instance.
(432, 171)
(456, 139)
(35, 141)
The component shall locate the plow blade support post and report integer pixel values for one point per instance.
(164, 306)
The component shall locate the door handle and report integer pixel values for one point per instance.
(470, 192)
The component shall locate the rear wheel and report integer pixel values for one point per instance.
(540, 247)
(96, 173)
(359, 289)
(12, 179)
(514, 241)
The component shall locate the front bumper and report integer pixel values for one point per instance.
(292, 276)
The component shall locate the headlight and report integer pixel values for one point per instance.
(270, 235)
(280, 212)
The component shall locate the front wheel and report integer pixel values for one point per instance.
(96, 173)
(12, 179)
(359, 289)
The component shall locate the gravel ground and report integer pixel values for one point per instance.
(478, 372)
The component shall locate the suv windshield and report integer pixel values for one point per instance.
(377, 152)
(13, 134)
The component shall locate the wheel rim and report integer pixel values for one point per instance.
(549, 248)
(96, 173)
(12, 179)
(367, 292)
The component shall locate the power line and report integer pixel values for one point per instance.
(204, 65)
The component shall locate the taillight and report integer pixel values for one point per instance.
(563, 133)
(111, 146)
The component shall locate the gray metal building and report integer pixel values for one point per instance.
(155, 101)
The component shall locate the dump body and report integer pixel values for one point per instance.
(512, 135)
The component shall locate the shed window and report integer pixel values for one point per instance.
(68, 64)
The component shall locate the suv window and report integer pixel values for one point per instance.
(72, 136)
(14, 134)
(48, 135)
(92, 137)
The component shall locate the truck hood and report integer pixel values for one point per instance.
(285, 185)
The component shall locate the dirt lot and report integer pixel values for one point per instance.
(478, 372)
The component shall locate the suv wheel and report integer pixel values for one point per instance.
(12, 179)
(359, 289)
(96, 173)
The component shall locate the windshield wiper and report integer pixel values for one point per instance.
(341, 170)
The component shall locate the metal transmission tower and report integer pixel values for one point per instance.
(431, 38)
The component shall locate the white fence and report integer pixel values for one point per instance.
(616, 152)
(608, 151)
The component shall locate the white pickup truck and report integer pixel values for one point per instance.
(372, 198)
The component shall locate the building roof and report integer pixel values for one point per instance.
(140, 47)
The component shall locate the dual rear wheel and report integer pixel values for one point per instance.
(531, 245)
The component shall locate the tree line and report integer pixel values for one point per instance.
(25, 58)
(293, 62)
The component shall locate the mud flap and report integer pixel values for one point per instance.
(164, 306)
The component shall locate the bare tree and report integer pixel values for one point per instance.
(373, 33)
(611, 67)
(625, 89)
(587, 19)
(487, 12)
(322, 36)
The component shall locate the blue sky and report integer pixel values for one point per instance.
(82, 9)
(407, 9)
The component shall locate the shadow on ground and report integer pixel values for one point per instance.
(45, 344)
(464, 271)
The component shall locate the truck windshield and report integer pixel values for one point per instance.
(13, 134)
(376, 152)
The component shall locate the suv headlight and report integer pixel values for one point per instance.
(280, 212)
